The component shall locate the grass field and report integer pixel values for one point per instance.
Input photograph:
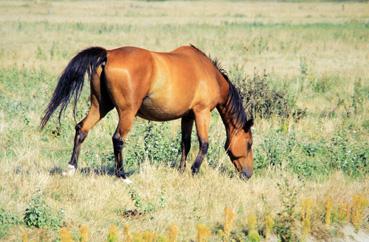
(315, 55)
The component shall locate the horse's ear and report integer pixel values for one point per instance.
(249, 123)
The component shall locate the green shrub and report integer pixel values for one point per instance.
(152, 141)
(360, 94)
(4, 230)
(156, 147)
(349, 156)
(39, 215)
(312, 157)
(7, 219)
(323, 84)
(143, 207)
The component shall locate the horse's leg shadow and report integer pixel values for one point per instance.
(56, 170)
(104, 170)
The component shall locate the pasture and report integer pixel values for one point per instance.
(302, 68)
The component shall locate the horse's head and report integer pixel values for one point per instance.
(240, 150)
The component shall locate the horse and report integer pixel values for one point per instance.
(158, 86)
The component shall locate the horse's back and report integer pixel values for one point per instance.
(164, 85)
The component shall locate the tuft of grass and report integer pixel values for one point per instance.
(229, 217)
(172, 233)
(344, 212)
(359, 204)
(306, 215)
(145, 236)
(269, 223)
(25, 237)
(113, 234)
(285, 226)
(65, 235)
(253, 235)
(127, 237)
(203, 233)
(83, 232)
(328, 206)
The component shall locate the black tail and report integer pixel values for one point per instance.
(71, 81)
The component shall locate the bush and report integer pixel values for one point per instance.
(260, 99)
(39, 215)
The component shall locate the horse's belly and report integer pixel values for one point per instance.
(159, 110)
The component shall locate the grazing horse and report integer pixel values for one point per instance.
(184, 83)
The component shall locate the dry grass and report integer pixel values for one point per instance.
(99, 201)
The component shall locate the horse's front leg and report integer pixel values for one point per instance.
(202, 120)
(125, 123)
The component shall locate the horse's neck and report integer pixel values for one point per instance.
(231, 110)
(227, 120)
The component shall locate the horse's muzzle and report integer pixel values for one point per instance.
(245, 175)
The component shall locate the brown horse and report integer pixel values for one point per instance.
(184, 83)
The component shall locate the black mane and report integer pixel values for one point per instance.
(233, 105)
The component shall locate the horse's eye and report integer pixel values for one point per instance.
(249, 145)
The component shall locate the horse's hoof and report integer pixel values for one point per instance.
(71, 170)
(195, 170)
(126, 181)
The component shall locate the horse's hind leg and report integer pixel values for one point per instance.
(126, 118)
(100, 106)
(94, 115)
(186, 128)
